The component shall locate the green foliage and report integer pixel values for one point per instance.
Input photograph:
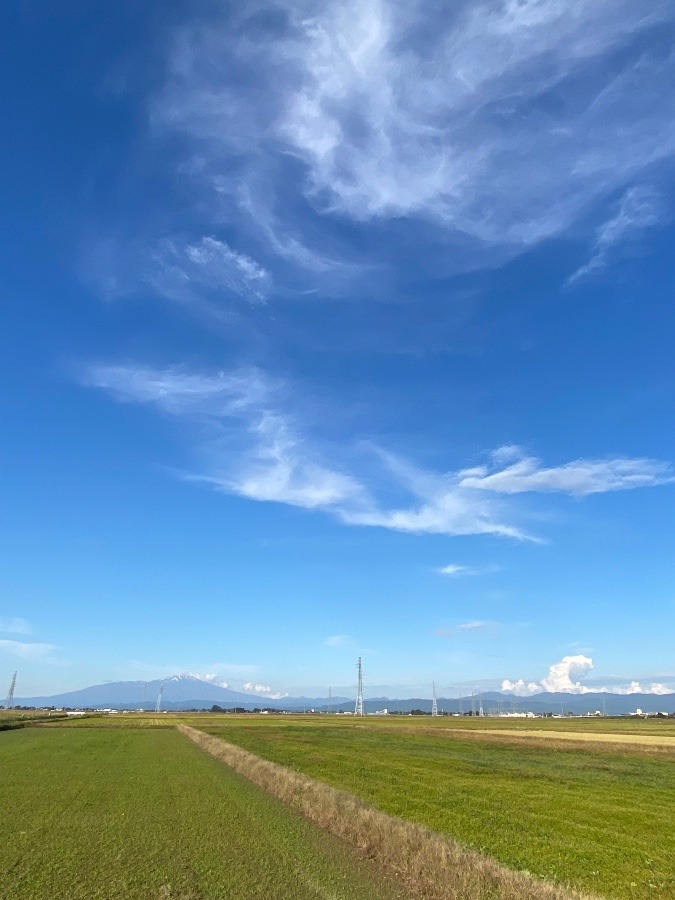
(121, 813)
(599, 821)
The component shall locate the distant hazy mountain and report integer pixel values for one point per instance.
(180, 692)
(494, 702)
(188, 692)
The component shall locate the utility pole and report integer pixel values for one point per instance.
(358, 708)
(9, 702)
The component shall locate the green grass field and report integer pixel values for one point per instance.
(601, 821)
(127, 813)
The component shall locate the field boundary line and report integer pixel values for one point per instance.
(426, 863)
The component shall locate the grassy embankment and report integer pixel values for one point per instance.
(126, 814)
(600, 819)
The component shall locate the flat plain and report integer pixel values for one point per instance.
(575, 811)
(144, 814)
(122, 806)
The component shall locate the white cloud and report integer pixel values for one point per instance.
(250, 448)
(497, 120)
(656, 688)
(560, 675)
(466, 627)
(179, 269)
(453, 569)
(563, 678)
(28, 651)
(15, 625)
(338, 640)
(639, 208)
(210, 677)
(635, 687)
(559, 679)
(263, 689)
(581, 477)
(520, 687)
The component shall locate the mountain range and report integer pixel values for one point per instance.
(182, 692)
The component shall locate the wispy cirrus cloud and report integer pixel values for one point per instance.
(471, 627)
(579, 478)
(250, 447)
(495, 121)
(15, 625)
(180, 269)
(202, 273)
(338, 640)
(33, 652)
(639, 209)
(454, 569)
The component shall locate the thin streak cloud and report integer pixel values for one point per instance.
(252, 448)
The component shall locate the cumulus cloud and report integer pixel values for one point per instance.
(494, 120)
(636, 687)
(262, 689)
(563, 678)
(560, 678)
(640, 208)
(251, 447)
(15, 625)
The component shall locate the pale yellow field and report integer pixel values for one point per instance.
(596, 737)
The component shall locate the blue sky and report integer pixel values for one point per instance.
(335, 330)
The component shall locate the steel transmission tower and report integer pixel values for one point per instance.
(434, 704)
(9, 702)
(158, 705)
(358, 708)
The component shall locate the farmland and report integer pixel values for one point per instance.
(126, 807)
(597, 817)
(128, 813)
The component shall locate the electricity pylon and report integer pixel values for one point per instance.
(358, 708)
(9, 702)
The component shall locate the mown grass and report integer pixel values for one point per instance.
(599, 821)
(429, 865)
(145, 815)
(19, 718)
(633, 727)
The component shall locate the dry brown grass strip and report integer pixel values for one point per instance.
(427, 864)
(593, 742)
